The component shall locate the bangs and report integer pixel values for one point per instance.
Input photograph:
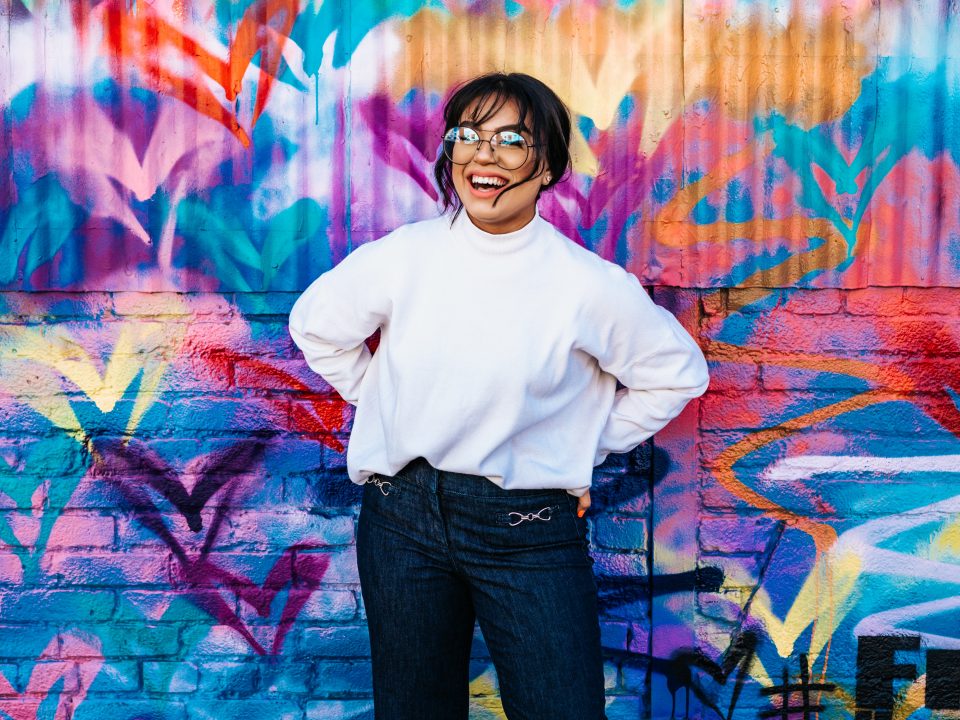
(484, 105)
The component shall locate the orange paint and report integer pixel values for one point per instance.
(143, 38)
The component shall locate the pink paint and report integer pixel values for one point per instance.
(76, 660)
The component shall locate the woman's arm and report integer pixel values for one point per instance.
(335, 315)
(649, 352)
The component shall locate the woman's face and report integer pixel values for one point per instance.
(517, 207)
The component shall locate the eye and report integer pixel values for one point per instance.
(510, 139)
(464, 135)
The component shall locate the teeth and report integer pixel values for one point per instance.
(492, 181)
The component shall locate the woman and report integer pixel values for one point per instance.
(479, 419)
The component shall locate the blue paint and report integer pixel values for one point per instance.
(739, 202)
(663, 189)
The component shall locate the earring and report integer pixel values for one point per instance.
(547, 179)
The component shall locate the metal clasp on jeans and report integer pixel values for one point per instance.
(382, 484)
(531, 516)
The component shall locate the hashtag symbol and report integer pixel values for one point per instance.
(787, 690)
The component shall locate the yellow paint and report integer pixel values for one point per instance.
(806, 69)
(488, 705)
(945, 545)
(58, 357)
(910, 700)
(591, 56)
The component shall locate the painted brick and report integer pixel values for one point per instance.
(229, 679)
(335, 641)
(633, 677)
(217, 415)
(107, 569)
(874, 301)
(114, 709)
(278, 304)
(619, 564)
(931, 301)
(620, 533)
(814, 302)
(43, 459)
(342, 678)
(11, 569)
(82, 530)
(198, 378)
(117, 676)
(222, 641)
(827, 376)
(330, 606)
(727, 376)
(296, 457)
(343, 567)
(141, 640)
(40, 606)
(268, 339)
(285, 526)
(610, 675)
(273, 708)
(57, 307)
(10, 672)
(47, 673)
(289, 678)
(483, 679)
(714, 302)
(723, 606)
(751, 411)
(170, 677)
(276, 374)
(478, 646)
(638, 639)
(340, 709)
(614, 634)
(735, 534)
(486, 707)
(624, 707)
(169, 305)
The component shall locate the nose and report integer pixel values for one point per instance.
(485, 152)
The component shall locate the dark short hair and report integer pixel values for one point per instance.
(541, 112)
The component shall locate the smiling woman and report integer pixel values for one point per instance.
(491, 397)
(502, 149)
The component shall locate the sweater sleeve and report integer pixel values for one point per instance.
(335, 315)
(649, 352)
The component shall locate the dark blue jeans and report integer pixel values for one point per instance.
(438, 551)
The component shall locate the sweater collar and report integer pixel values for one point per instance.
(498, 244)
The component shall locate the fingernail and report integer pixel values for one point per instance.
(580, 512)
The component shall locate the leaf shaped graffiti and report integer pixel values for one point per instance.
(143, 38)
(65, 656)
(134, 469)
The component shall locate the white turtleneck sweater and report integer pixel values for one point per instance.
(499, 355)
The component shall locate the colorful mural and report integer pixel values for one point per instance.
(177, 529)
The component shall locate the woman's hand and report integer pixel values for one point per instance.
(583, 504)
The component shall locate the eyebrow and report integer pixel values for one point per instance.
(517, 127)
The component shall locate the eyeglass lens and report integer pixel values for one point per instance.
(461, 144)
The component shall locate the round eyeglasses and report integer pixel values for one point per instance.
(510, 150)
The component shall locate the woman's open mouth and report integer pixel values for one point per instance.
(486, 185)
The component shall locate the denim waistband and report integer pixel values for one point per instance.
(423, 474)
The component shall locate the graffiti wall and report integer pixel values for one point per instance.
(177, 530)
